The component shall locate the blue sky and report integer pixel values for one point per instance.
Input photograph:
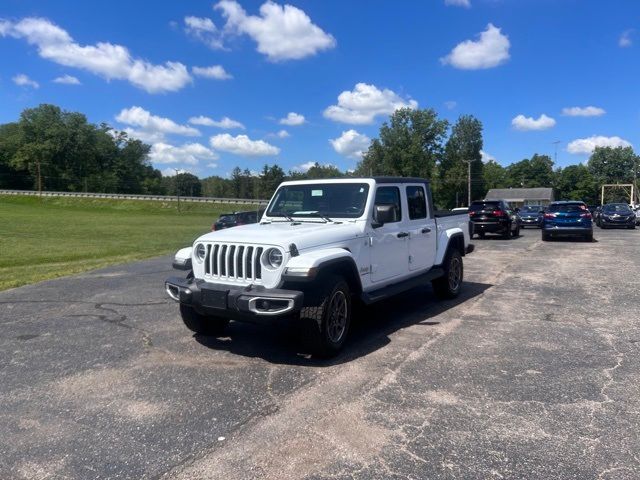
(309, 81)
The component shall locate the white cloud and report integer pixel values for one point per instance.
(282, 134)
(490, 50)
(171, 172)
(281, 32)
(67, 80)
(365, 102)
(587, 145)
(204, 29)
(458, 3)
(225, 123)
(145, 136)
(583, 111)
(304, 167)
(351, 144)
(190, 153)
(217, 72)
(450, 104)
(487, 157)
(105, 59)
(139, 117)
(292, 119)
(625, 39)
(523, 123)
(23, 80)
(243, 145)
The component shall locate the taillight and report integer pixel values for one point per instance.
(213, 227)
(498, 213)
(585, 215)
(549, 215)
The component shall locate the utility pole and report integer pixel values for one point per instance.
(468, 162)
(39, 177)
(177, 189)
(555, 151)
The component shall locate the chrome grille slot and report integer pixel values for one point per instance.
(233, 262)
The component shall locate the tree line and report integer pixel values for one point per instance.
(51, 149)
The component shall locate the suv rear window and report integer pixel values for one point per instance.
(567, 207)
(489, 205)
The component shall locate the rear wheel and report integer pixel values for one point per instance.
(450, 284)
(202, 324)
(328, 323)
(481, 234)
(516, 232)
(507, 232)
(588, 237)
(545, 237)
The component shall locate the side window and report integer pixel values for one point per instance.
(417, 202)
(390, 196)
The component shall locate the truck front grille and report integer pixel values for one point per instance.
(233, 262)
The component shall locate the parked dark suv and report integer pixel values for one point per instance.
(494, 216)
(568, 218)
(228, 220)
(531, 216)
(616, 215)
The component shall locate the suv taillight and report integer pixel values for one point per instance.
(585, 215)
(498, 213)
(549, 215)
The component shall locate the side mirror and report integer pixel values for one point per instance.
(383, 214)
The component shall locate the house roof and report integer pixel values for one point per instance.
(519, 194)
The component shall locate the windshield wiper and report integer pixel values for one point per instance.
(282, 214)
(314, 213)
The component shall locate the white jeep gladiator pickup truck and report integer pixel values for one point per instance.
(321, 245)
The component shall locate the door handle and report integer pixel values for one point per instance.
(426, 230)
(403, 234)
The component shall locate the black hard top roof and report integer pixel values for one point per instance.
(399, 179)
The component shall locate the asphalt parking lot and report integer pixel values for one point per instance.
(533, 373)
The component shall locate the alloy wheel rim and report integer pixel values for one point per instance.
(455, 272)
(337, 320)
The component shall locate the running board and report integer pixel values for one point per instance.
(395, 288)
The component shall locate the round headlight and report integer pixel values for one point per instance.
(201, 251)
(273, 257)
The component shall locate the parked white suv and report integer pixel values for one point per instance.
(320, 245)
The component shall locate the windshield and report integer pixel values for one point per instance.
(567, 207)
(227, 218)
(619, 207)
(345, 200)
(531, 209)
(476, 206)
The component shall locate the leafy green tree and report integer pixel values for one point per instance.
(270, 178)
(495, 175)
(613, 165)
(409, 145)
(463, 149)
(575, 182)
(318, 171)
(531, 173)
(187, 185)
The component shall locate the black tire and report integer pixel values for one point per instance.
(588, 237)
(507, 233)
(481, 235)
(545, 237)
(328, 322)
(449, 285)
(516, 232)
(204, 325)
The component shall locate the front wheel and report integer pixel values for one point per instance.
(204, 325)
(329, 322)
(449, 285)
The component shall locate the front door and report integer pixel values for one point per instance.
(390, 242)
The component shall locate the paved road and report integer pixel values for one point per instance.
(533, 373)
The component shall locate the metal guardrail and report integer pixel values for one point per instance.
(132, 196)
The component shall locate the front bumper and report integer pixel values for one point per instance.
(251, 303)
(530, 222)
(625, 222)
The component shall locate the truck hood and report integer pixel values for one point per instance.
(282, 234)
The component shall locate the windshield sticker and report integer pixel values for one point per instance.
(316, 193)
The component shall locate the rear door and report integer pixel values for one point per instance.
(421, 226)
(390, 242)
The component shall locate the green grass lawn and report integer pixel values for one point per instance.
(48, 237)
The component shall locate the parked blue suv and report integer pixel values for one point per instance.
(568, 218)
